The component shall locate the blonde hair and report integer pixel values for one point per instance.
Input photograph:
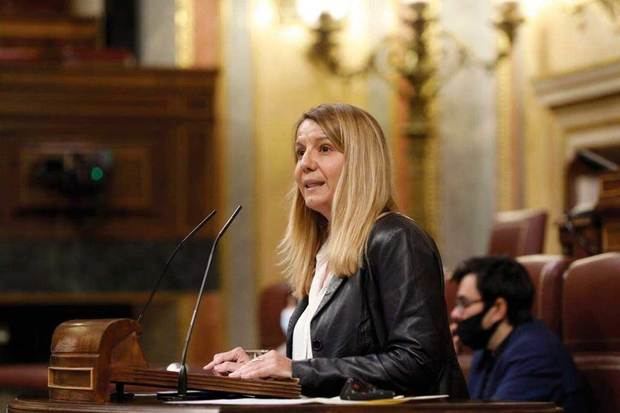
(363, 192)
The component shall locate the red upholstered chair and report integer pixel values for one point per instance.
(23, 377)
(273, 299)
(546, 273)
(517, 233)
(591, 325)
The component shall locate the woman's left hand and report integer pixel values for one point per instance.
(272, 364)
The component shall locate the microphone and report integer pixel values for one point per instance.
(181, 393)
(170, 258)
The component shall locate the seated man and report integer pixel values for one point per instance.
(516, 357)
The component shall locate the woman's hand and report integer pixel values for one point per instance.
(228, 362)
(272, 364)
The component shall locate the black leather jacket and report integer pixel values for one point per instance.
(387, 324)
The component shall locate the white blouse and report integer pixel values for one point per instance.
(302, 341)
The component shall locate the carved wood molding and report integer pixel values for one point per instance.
(586, 105)
(579, 86)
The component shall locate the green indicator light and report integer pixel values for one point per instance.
(96, 173)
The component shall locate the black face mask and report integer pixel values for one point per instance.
(472, 334)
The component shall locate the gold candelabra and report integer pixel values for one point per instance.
(409, 56)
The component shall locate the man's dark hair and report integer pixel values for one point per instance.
(501, 276)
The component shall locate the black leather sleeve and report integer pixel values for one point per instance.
(401, 286)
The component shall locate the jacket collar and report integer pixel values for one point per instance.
(332, 287)
(330, 292)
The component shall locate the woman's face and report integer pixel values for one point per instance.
(318, 168)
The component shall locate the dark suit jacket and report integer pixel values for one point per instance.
(387, 324)
(531, 364)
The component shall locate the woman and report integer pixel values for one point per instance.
(369, 280)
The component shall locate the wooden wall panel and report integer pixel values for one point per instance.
(46, 30)
(130, 184)
(164, 325)
(156, 124)
(157, 128)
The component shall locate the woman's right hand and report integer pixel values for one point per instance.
(225, 363)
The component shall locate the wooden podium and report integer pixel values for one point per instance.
(88, 356)
(84, 354)
(152, 405)
(609, 210)
(597, 230)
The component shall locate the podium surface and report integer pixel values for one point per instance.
(151, 404)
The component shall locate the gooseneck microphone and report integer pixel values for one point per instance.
(170, 258)
(182, 393)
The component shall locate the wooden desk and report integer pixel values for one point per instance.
(143, 405)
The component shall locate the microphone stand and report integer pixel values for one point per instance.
(120, 394)
(170, 258)
(182, 393)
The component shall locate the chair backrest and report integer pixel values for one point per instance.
(591, 325)
(273, 299)
(546, 273)
(590, 308)
(520, 232)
